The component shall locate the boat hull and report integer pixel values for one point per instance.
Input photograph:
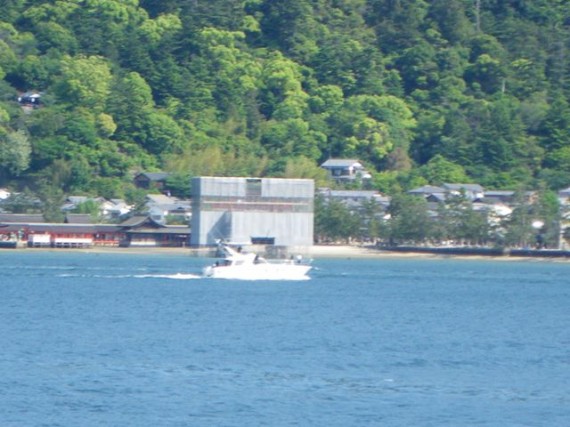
(259, 272)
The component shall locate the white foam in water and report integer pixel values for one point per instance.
(177, 276)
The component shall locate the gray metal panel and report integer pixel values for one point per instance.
(287, 229)
(214, 186)
(304, 188)
(208, 227)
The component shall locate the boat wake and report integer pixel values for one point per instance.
(175, 276)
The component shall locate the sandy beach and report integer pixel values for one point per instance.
(314, 252)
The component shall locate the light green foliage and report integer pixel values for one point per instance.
(440, 170)
(372, 126)
(85, 81)
(4, 116)
(282, 88)
(290, 138)
(154, 29)
(417, 90)
(8, 59)
(15, 150)
(302, 167)
(55, 12)
(106, 125)
(51, 35)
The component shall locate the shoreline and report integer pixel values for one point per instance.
(314, 252)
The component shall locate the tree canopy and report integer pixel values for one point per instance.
(443, 90)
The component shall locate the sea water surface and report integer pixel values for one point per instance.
(141, 340)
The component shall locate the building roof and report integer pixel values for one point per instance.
(338, 163)
(467, 187)
(140, 221)
(171, 229)
(499, 193)
(354, 194)
(62, 228)
(78, 219)
(21, 218)
(427, 189)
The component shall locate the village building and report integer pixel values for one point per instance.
(346, 170)
(151, 180)
(78, 232)
(354, 200)
(564, 196)
(4, 193)
(471, 191)
(167, 209)
(143, 231)
(107, 209)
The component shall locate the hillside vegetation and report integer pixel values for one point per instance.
(420, 91)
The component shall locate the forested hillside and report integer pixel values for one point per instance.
(419, 90)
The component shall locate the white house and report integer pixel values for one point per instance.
(4, 194)
(346, 169)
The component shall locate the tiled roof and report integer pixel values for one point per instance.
(468, 187)
(78, 219)
(21, 218)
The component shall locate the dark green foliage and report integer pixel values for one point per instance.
(417, 90)
(410, 221)
(334, 221)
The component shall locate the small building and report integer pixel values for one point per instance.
(114, 208)
(498, 197)
(429, 190)
(143, 231)
(151, 180)
(42, 234)
(164, 209)
(107, 209)
(471, 191)
(355, 199)
(564, 196)
(4, 193)
(138, 231)
(266, 211)
(346, 170)
(439, 194)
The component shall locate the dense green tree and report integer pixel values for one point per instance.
(458, 221)
(252, 85)
(399, 23)
(334, 221)
(410, 221)
(440, 170)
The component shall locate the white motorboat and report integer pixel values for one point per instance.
(240, 265)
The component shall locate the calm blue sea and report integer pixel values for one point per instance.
(130, 340)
